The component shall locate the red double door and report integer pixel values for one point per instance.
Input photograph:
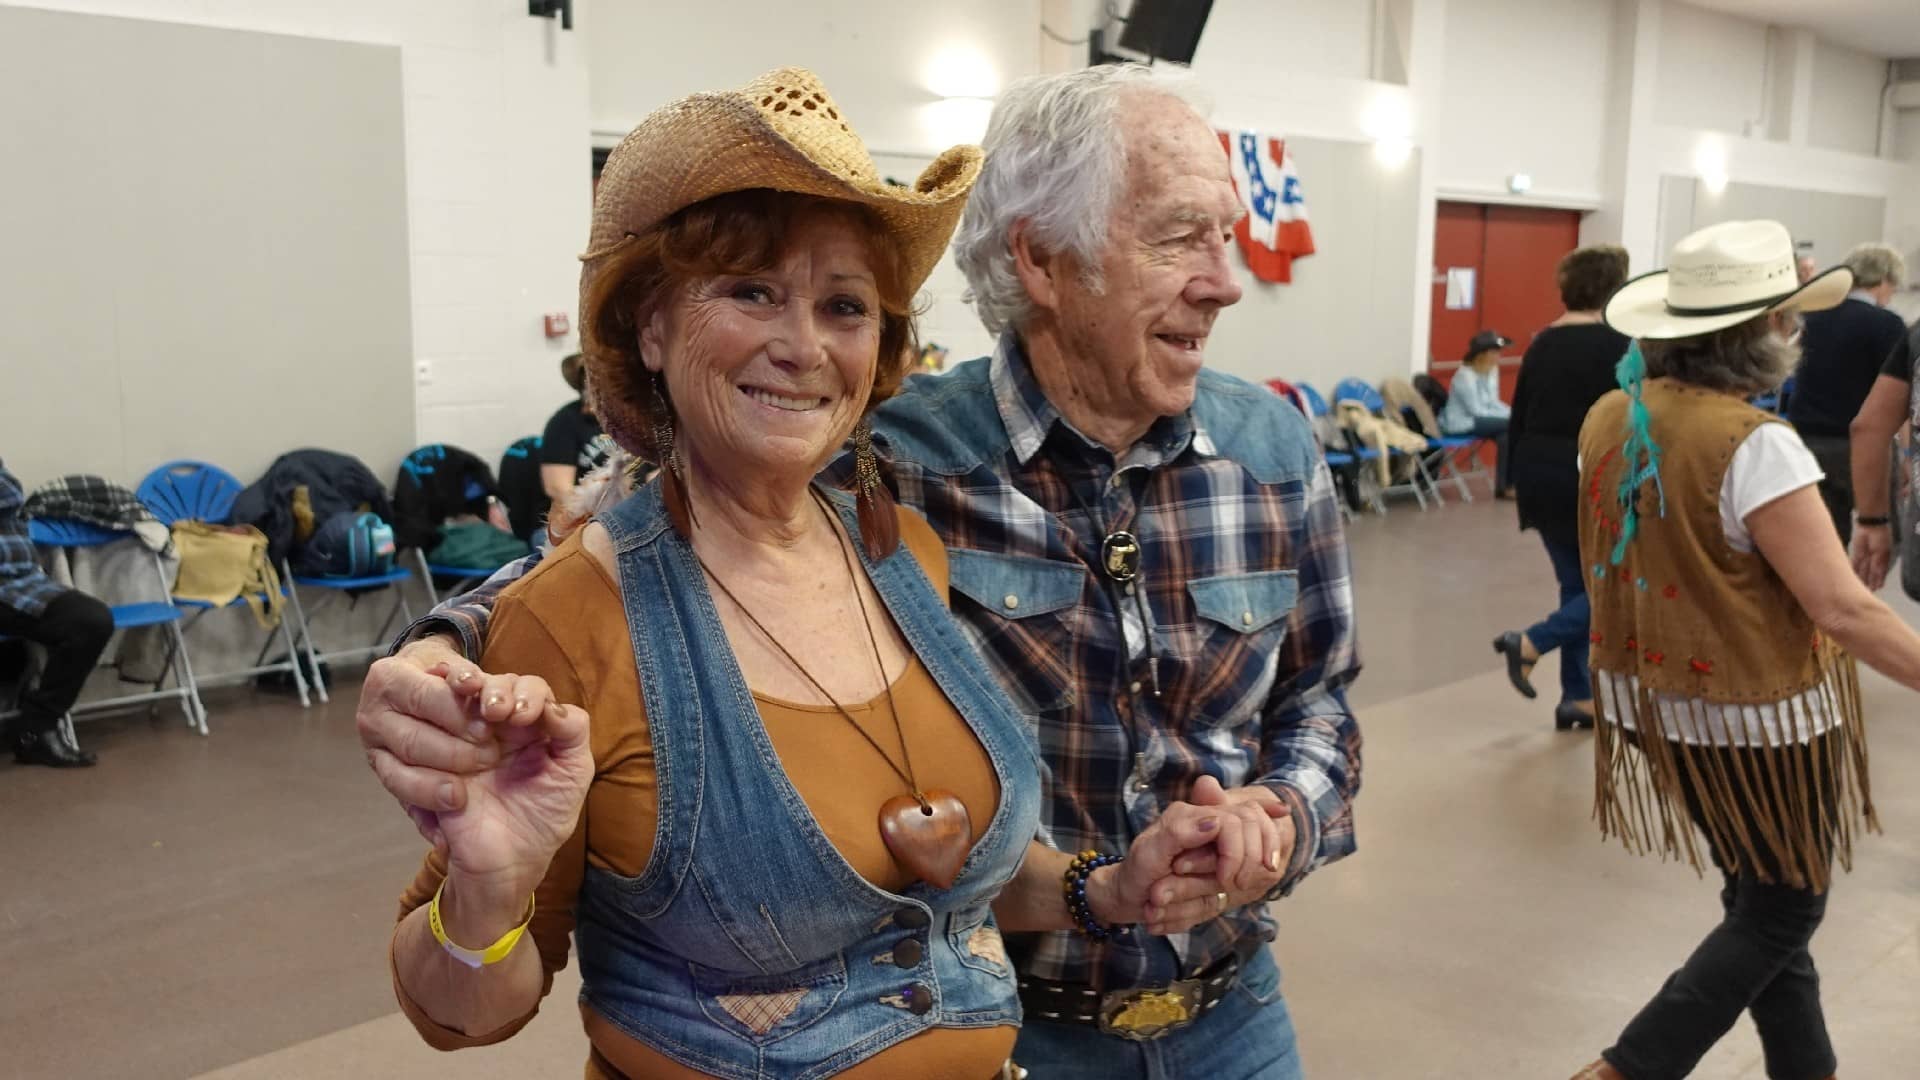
(1512, 252)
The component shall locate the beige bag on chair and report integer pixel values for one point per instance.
(221, 563)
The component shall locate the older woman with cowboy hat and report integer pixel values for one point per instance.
(782, 842)
(1725, 619)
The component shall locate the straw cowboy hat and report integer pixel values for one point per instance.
(780, 131)
(1718, 277)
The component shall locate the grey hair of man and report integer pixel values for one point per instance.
(1874, 264)
(1057, 161)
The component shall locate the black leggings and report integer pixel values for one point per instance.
(74, 629)
(1755, 960)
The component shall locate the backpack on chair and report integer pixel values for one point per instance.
(350, 544)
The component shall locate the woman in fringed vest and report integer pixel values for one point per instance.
(1725, 622)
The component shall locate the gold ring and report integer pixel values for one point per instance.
(1221, 899)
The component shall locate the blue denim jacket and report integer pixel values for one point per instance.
(745, 902)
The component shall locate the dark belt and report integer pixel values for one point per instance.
(1141, 1012)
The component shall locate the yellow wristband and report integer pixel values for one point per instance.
(473, 958)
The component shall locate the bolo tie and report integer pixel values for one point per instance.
(1120, 565)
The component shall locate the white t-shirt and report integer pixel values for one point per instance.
(1770, 464)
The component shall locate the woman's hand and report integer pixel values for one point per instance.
(492, 771)
(1237, 842)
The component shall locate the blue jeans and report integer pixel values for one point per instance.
(1567, 629)
(1495, 428)
(1248, 1036)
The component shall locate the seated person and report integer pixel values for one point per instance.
(72, 626)
(1474, 406)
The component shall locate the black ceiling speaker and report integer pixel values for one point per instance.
(547, 9)
(1166, 29)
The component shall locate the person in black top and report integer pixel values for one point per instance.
(573, 444)
(1890, 406)
(1567, 368)
(1841, 352)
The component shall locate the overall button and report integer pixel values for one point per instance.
(911, 918)
(919, 1000)
(908, 954)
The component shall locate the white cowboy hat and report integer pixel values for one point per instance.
(1718, 277)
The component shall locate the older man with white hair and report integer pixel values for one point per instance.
(1149, 554)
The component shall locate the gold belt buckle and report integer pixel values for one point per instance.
(1143, 1015)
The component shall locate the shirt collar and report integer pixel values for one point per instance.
(1030, 418)
(1864, 296)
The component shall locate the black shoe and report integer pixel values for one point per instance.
(1567, 716)
(48, 748)
(1509, 645)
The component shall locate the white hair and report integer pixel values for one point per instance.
(1873, 264)
(1056, 161)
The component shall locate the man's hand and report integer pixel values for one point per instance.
(1872, 554)
(1191, 893)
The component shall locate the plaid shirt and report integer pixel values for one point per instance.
(24, 587)
(1243, 579)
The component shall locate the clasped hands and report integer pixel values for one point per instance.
(493, 773)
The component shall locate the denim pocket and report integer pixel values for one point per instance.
(1234, 627)
(1259, 979)
(1027, 607)
(977, 942)
(764, 1009)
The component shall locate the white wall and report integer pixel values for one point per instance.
(1712, 70)
(1298, 68)
(1288, 39)
(886, 64)
(497, 190)
(1845, 110)
(1525, 91)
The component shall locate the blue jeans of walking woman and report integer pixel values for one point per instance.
(1566, 629)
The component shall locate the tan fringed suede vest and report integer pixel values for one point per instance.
(1692, 618)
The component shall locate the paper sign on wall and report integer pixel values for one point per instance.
(1459, 288)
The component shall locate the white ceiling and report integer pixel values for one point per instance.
(1888, 28)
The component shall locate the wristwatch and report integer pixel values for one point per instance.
(1874, 521)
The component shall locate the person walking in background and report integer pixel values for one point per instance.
(1473, 403)
(1725, 623)
(1568, 367)
(1842, 351)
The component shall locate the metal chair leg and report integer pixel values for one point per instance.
(306, 632)
(293, 661)
(426, 579)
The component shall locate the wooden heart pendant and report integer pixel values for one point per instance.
(930, 840)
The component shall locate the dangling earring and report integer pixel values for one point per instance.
(874, 505)
(673, 486)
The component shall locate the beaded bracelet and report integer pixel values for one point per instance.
(1074, 887)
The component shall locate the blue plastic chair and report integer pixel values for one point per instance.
(197, 491)
(1357, 390)
(331, 587)
(1336, 459)
(189, 491)
(61, 533)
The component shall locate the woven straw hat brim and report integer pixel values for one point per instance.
(1639, 308)
(712, 144)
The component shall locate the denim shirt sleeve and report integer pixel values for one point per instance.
(1310, 742)
(467, 615)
